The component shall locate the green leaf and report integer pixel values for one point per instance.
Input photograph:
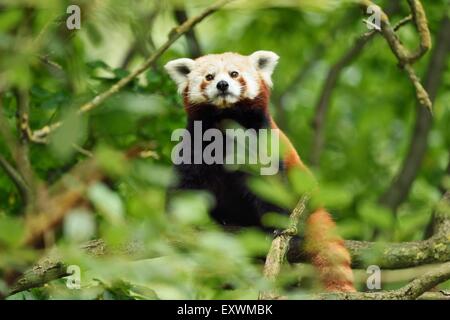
(191, 207)
(79, 225)
(107, 202)
(375, 215)
(274, 191)
(11, 230)
(68, 136)
(112, 161)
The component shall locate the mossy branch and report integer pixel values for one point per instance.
(411, 291)
(435, 249)
(280, 245)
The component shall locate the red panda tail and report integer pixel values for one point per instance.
(327, 253)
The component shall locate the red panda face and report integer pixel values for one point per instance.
(222, 79)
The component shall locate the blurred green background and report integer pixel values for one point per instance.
(367, 132)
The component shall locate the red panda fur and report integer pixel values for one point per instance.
(328, 253)
(324, 247)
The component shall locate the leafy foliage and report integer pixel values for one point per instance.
(367, 132)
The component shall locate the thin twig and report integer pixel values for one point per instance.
(15, 177)
(52, 64)
(403, 22)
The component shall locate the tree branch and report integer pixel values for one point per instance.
(435, 249)
(421, 23)
(144, 27)
(387, 256)
(404, 56)
(323, 102)
(322, 105)
(15, 177)
(400, 186)
(177, 32)
(194, 47)
(23, 128)
(22, 152)
(279, 247)
(50, 268)
(20, 158)
(411, 291)
(435, 295)
(281, 98)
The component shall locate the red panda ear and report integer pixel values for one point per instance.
(265, 62)
(178, 70)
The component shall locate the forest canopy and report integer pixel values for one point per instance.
(87, 112)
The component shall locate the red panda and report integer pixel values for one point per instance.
(235, 87)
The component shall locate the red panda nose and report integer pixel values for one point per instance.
(222, 85)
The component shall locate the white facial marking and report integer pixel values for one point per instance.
(222, 79)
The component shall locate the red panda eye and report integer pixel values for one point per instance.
(234, 74)
(209, 77)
